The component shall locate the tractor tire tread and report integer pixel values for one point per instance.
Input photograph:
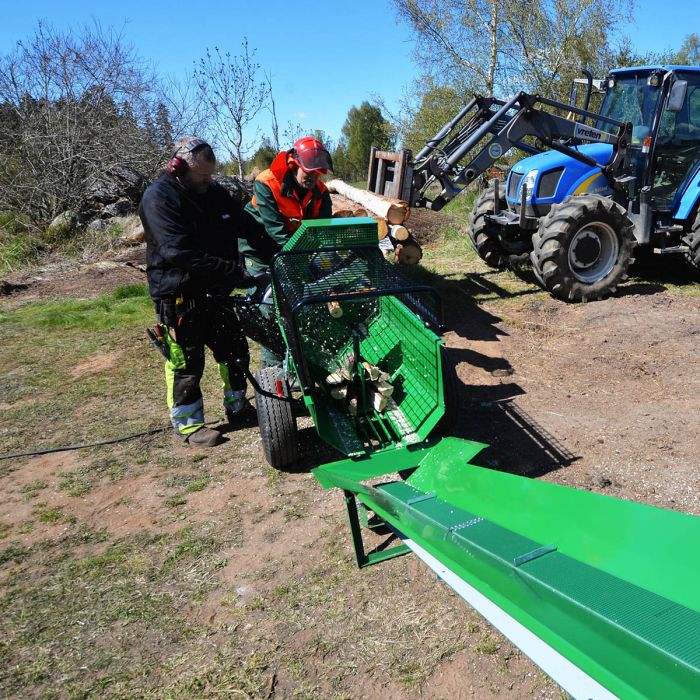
(692, 240)
(549, 255)
(484, 241)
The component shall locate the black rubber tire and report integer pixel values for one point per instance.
(486, 238)
(579, 222)
(450, 392)
(278, 426)
(692, 240)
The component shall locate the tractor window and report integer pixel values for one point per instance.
(631, 99)
(677, 152)
(694, 106)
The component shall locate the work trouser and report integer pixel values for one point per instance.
(192, 325)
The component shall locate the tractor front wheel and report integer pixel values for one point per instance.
(693, 242)
(486, 236)
(583, 248)
(278, 427)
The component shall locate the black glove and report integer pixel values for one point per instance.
(239, 279)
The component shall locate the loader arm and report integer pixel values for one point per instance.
(490, 127)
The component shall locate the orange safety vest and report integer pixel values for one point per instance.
(292, 209)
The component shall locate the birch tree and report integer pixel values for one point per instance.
(504, 46)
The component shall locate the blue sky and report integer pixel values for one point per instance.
(324, 57)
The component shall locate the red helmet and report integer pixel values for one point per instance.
(311, 155)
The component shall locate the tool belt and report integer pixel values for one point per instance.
(171, 310)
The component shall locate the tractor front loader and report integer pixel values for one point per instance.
(593, 187)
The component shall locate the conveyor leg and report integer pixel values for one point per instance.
(363, 558)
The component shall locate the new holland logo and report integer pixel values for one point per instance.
(588, 133)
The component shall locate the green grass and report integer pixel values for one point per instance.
(125, 305)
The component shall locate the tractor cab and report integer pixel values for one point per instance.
(663, 105)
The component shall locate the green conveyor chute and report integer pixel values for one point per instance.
(602, 593)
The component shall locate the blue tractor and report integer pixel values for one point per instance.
(596, 184)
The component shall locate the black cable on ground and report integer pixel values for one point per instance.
(91, 444)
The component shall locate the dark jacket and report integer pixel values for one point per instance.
(191, 239)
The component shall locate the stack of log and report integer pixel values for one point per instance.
(395, 238)
(345, 387)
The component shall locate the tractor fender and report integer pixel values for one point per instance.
(690, 199)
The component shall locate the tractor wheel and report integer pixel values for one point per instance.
(583, 248)
(450, 393)
(485, 236)
(693, 242)
(278, 427)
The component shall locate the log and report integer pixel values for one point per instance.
(360, 212)
(343, 213)
(377, 401)
(398, 232)
(395, 211)
(384, 388)
(382, 228)
(408, 252)
(335, 309)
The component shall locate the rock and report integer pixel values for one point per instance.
(7, 288)
(239, 188)
(97, 225)
(61, 225)
(118, 182)
(503, 372)
(134, 236)
(122, 207)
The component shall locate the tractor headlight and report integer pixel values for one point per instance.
(653, 80)
(529, 182)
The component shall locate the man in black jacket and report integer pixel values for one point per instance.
(191, 227)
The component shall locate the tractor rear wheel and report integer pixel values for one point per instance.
(583, 248)
(278, 426)
(693, 242)
(486, 236)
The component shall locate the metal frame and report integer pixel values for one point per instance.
(390, 173)
(363, 558)
(507, 123)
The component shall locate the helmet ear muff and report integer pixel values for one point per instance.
(177, 166)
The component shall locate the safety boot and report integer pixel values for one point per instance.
(204, 437)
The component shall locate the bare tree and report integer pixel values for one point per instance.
(273, 113)
(74, 106)
(229, 86)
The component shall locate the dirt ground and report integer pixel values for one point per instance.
(602, 396)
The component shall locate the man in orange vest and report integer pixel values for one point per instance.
(289, 192)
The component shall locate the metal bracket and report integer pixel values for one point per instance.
(534, 554)
(363, 558)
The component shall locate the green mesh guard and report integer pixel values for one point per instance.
(384, 314)
(333, 233)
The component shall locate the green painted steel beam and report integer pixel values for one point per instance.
(610, 585)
